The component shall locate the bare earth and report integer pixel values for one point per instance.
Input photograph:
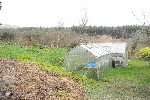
(25, 81)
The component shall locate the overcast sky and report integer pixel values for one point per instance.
(47, 13)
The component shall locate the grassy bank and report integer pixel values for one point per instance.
(129, 83)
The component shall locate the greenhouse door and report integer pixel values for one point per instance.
(113, 64)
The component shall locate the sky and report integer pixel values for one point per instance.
(48, 13)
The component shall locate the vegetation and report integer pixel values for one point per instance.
(47, 56)
(52, 37)
(131, 82)
(145, 53)
(7, 36)
(64, 36)
(69, 37)
(116, 32)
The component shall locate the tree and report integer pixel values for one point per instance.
(83, 22)
(145, 23)
(141, 36)
(59, 26)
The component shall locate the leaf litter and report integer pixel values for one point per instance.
(26, 81)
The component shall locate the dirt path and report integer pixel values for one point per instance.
(26, 81)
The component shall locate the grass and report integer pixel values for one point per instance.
(129, 83)
(45, 56)
(48, 55)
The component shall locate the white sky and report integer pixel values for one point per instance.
(47, 13)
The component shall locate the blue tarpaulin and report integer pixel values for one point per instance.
(91, 64)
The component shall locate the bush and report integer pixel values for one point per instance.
(145, 53)
(7, 36)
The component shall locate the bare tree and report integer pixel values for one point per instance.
(140, 38)
(83, 22)
(59, 26)
(144, 22)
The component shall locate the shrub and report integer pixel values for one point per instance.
(145, 53)
(7, 36)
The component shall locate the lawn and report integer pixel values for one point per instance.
(129, 83)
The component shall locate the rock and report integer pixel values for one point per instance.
(8, 94)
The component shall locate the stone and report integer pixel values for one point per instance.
(8, 94)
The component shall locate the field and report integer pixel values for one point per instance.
(130, 83)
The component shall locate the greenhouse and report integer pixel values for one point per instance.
(118, 50)
(93, 60)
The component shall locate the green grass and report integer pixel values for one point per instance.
(129, 83)
(47, 55)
